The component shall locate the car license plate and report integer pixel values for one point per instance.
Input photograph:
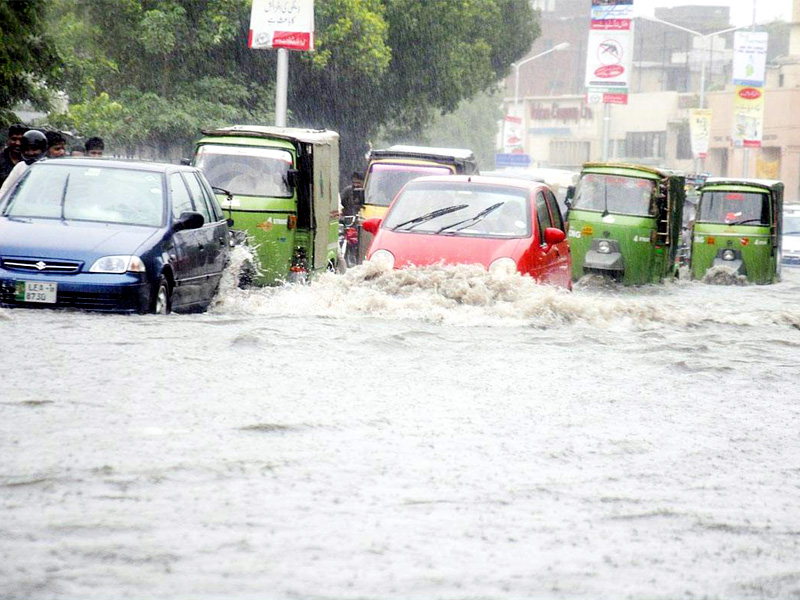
(36, 291)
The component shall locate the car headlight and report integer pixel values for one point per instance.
(729, 255)
(383, 259)
(118, 264)
(503, 266)
(603, 247)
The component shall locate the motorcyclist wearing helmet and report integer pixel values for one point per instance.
(32, 147)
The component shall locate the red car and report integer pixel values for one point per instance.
(506, 225)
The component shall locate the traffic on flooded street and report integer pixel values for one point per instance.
(429, 432)
(400, 300)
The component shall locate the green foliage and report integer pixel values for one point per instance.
(472, 125)
(157, 72)
(27, 60)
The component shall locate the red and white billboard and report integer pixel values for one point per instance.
(608, 64)
(282, 24)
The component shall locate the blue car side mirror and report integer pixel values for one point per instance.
(189, 220)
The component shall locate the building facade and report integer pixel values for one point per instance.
(561, 130)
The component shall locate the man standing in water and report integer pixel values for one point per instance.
(11, 154)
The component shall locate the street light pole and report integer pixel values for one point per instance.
(706, 39)
(517, 65)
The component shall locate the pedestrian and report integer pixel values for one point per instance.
(56, 144)
(77, 151)
(94, 147)
(32, 147)
(10, 155)
(350, 205)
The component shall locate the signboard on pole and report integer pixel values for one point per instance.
(748, 117)
(612, 14)
(512, 135)
(608, 64)
(508, 161)
(287, 24)
(700, 131)
(749, 58)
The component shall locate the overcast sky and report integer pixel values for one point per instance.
(741, 10)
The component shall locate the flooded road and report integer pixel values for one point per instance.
(433, 433)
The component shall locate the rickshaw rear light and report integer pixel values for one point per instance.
(291, 222)
(351, 235)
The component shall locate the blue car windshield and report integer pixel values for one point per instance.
(81, 193)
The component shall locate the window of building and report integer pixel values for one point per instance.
(646, 144)
(569, 153)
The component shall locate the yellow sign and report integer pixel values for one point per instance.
(748, 116)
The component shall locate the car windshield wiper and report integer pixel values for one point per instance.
(743, 221)
(472, 220)
(431, 215)
(64, 196)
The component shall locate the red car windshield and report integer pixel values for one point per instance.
(461, 209)
(385, 180)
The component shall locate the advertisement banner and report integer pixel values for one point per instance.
(748, 117)
(749, 58)
(700, 131)
(512, 135)
(608, 63)
(282, 24)
(618, 11)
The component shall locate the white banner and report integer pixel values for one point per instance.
(282, 24)
(700, 131)
(750, 58)
(608, 63)
(512, 135)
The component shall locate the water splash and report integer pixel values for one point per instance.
(467, 295)
(722, 275)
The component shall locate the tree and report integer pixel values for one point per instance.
(440, 54)
(28, 62)
(177, 66)
(472, 125)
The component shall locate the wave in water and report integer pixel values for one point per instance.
(469, 295)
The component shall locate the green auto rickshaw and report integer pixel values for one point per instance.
(282, 187)
(738, 225)
(625, 222)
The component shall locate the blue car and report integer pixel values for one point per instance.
(113, 236)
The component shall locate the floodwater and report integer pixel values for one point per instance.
(434, 433)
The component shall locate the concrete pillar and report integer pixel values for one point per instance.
(790, 173)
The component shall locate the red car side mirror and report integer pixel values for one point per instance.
(554, 236)
(372, 225)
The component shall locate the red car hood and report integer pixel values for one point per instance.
(421, 249)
